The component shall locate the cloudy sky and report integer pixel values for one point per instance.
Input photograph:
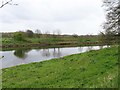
(69, 16)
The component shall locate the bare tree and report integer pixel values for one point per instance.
(58, 32)
(112, 8)
(112, 24)
(46, 34)
(4, 2)
(38, 31)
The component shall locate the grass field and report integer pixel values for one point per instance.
(49, 40)
(93, 69)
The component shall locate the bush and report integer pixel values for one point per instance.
(75, 35)
(18, 36)
(29, 33)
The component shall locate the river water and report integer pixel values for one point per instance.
(25, 56)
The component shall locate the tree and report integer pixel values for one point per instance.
(112, 8)
(46, 34)
(4, 2)
(38, 32)
(29, 33)
(58, 32)
(112, 24)
(75, 35)
(19, 36)
(106, 38)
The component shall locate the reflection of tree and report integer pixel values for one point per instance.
(46, 52)
(89, 48)
(80, 49)
(101, 47)
(21, 52)
(57, 53)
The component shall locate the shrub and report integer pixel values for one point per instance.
(18, 36)
(29, 33)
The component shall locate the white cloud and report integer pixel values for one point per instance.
(70, 16)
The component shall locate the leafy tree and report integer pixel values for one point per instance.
(18, 36)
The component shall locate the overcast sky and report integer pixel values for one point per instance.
(69, 16)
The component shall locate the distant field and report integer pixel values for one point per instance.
(49, 40)
(93, 69)
(55, 40)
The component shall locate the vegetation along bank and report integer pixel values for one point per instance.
(93, 69)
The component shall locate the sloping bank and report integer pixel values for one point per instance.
(87, 70)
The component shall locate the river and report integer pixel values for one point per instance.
(25, 56)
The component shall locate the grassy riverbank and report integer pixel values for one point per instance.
(93, 69)
(49, 40)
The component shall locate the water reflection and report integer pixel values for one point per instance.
(46, 52)
(101, 47)
(89, 48)
(21, 53)
(80, 49)
(57, 52)
(24, 56)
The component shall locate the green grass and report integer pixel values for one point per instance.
(11, 41)
(93, 69)
(48, 40)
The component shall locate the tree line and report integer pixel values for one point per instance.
(20, 35)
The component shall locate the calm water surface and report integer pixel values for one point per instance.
(25, 56)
